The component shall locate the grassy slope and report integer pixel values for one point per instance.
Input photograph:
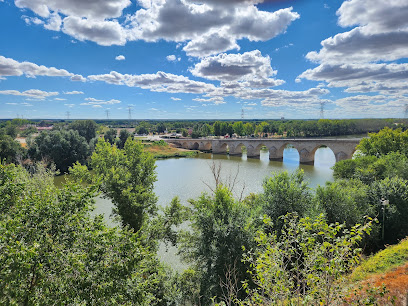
(382, 279)
(383, 261)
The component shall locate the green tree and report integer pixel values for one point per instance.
(285, 193)
(127, 178)
(305, 264)
(346, 169)
(85, 128)
(384, 142)
(63, 148)
(9, 149)
(205, 130)
(248, 129)
(221, 227)
(370, 168)
(123, 136)
(11, 130)
(54, 252)
(161, 128)
(345, 201)
(143, 128)
(217, 128)
(393, 216)
(110, 136)
(239, 128)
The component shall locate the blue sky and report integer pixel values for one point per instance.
(203, 59)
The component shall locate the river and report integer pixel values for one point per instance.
(187, 178)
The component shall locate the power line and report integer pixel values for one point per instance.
(67, 114)
(242, 114)
(107, 114)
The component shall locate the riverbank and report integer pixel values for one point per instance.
(161, 150)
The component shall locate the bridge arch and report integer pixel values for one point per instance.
(238, 149)
(205, 146)
(329, 155)
(293, 154)
(194, 146)
(224, 148)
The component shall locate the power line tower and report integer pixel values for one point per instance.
(67, 114)
(130, 112)
(107, 114)
(242, 114)
(322, 104)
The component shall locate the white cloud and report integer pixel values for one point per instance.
(78, 78)
(32, 20)
(70, 105)
(215, 100)
(175, 99)
(103, 32)
(75, 92)
(371, 106)
(100, 102)
(208, 27)
(60, 99)
(54, 22)
(98, 9)
(378, 15)
(11, 103)
(210, 43)
(364, 59)
(360, 45)
(176, 20)
(120, 58)
(11, 67)
(31, 93)
(93, 100)
(235, 67)
(171, 58)
(159, 82)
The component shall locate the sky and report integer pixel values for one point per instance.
(203, 59)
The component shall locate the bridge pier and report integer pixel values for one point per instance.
(275, 154)
(342, 156)
(253, 152)
(306, 157)
(217, 148)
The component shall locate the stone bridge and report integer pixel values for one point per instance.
(342, 148)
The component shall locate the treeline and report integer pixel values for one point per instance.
(62, 146)
(287, 244)
(260, 128)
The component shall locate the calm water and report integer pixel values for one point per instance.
(188, 177)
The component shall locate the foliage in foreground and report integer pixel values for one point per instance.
(54, 252)
(220, 227)
(305, 264)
